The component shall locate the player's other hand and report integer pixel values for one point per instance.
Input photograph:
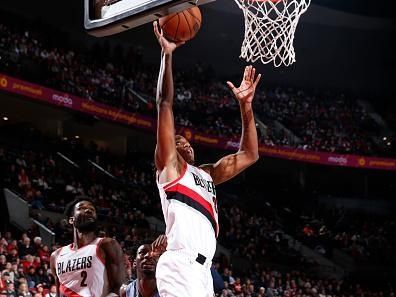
(245, 92)
(167, 46)
(159, 245)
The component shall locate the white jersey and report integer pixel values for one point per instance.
(189, 206)
(82, 272)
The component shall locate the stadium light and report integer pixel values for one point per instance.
(76, 137)
(5, 118)
(384, 138)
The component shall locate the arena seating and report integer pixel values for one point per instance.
(321, 121)
(47, 181)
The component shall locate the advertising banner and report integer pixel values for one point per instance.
(103, 111)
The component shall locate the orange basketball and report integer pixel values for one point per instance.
(181, 26)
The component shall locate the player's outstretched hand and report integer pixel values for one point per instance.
(245, 92)
(159, 245)
(166, 45)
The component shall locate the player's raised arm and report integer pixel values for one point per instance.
(165, 152)
(230, 165)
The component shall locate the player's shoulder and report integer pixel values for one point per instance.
(108, 244)
(108, 241)
(55, 253)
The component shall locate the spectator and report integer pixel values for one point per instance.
(9, 291)
(52, 292)
(44, 253)
(25, 248)
(8, 269)
(20, 272)
(27, 263)
(39, 290)
(227, 292)
(23, 290)
(4, 280)
(261, 292)
(12, 244)
(32, 277)
(12, 256)
(23, 179)
(3, 262)
(43, 278)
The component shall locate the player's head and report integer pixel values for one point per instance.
(82, 214)
(145, 262)
(184, 148)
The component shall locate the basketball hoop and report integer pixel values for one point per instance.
(269, 29)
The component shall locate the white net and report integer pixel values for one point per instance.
(269, 29)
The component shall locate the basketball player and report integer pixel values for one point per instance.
(188, 194)
(91, 266)
(145, 264)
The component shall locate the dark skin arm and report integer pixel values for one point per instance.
(53, 270)
(166, 158)
(114, 263)
(231, 165)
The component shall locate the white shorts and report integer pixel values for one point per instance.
(180, 275)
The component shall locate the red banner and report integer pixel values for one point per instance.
(65, 100)
(69, 101)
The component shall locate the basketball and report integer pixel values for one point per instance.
(181, 26)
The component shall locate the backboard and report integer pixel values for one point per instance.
(108, 17)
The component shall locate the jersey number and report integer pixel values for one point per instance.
(84, 275)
